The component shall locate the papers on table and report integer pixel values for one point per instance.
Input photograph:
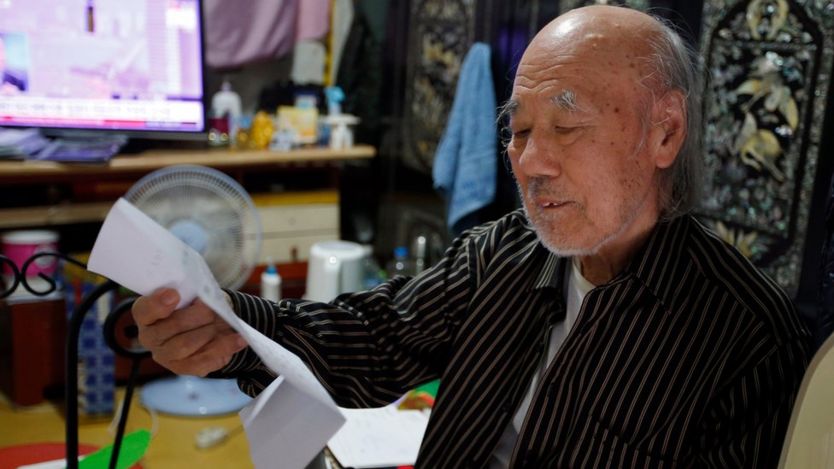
(381, 437)
(286, 427)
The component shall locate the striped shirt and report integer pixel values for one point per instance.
(689, 357)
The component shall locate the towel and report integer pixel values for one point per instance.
(465, 164)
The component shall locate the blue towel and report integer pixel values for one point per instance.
(465, 164)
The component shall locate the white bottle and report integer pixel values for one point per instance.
(227, 103)
(271, 283)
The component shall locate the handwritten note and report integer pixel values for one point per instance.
(290, 421)
(381, 437)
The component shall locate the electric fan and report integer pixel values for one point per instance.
(214, 215)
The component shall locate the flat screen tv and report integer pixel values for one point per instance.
(127, 66)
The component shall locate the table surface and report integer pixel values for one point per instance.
(172, 445)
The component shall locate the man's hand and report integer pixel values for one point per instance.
(192, 341)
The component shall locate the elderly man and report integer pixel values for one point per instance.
(601, 326)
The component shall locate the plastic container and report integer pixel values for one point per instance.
(400, 264)
(226, 103)
(21, 245)
(271, 283)
(340, 133)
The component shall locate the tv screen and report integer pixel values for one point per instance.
(134, 66)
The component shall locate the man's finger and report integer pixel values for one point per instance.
(151, 308)
(186, 344)
(212, 357)
(180, 321)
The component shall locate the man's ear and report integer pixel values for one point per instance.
(668, 128)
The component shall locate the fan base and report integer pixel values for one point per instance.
(194, 397)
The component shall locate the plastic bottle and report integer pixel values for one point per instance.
(227, 103)
(400, 264)
(271, 283)
(340, 133)
(334, 96)
(420, 253)
(372, 273)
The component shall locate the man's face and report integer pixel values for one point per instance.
(578, 151)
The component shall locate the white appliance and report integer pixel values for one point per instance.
(213, 214)
(335, 267)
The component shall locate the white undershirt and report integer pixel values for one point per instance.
(577, 288)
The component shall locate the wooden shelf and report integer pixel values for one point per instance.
(16, 171)
(53, 215)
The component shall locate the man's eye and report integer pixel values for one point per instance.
(563, 130)
(521, 133)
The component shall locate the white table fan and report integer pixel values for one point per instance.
(214, 215)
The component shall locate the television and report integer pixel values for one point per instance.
(132, 67)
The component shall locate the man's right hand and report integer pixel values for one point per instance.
(192, 341)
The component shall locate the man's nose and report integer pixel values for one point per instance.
(539, 159)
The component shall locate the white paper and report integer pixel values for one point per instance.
(381, 437)
(301, 424)
(138, 253)
(286, 429)
(54, 464)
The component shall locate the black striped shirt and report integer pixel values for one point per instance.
(690, 357)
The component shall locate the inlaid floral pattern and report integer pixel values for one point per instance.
(767, 66)
(442, 33)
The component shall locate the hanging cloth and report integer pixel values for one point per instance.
(238, 33)
(465, 163)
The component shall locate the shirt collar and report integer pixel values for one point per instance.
(552, 273)
(656, 262)
(653, 264)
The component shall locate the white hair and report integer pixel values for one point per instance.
(673, 66)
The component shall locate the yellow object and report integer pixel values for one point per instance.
(328, 48)
(295, 198)
(302, 121)
(75, 274)
(261, 131)
(242, 139)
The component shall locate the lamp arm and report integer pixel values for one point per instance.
(71, 370)
(16, 278)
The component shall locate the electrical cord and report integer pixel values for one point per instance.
(154, 416)
(212, 436)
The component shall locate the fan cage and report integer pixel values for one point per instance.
(213, 202)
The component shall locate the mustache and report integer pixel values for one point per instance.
(540, 186)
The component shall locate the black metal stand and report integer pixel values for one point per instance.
(18, 278)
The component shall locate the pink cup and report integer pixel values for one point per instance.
(21, 245)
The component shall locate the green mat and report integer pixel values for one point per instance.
(134, 446)
(430, 388)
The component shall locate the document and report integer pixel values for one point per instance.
(290, 421)
(381, 437)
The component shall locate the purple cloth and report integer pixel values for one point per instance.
(313, 19)
(238, 33)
